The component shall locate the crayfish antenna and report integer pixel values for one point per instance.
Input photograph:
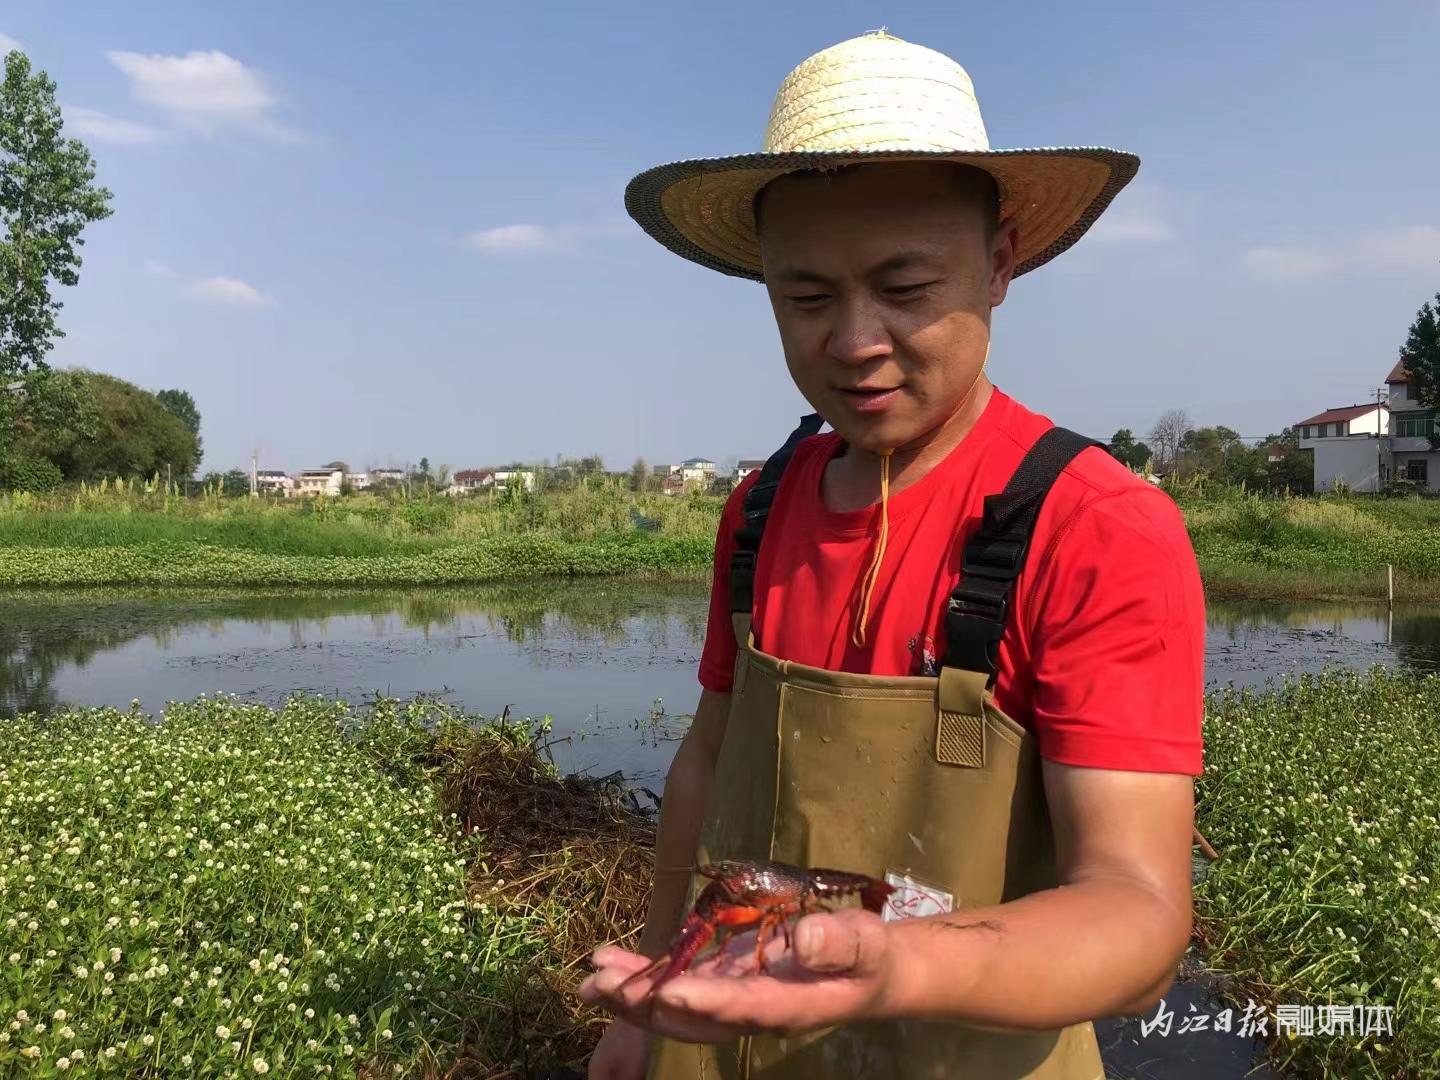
(648, 970)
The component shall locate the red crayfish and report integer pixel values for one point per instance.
(742, 894)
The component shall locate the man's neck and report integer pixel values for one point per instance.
(852, 480)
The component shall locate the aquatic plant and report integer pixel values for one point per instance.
(1322, 795)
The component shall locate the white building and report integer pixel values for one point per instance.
(274, 482)
(695, 471)
(1349, 446)
(387, 476)
(746, 467)
(524, 477)
(358, 480)
(1411, 425)
(321, 482)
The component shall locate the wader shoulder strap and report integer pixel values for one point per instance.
(976, 613)
(756, 509)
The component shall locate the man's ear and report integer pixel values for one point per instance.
(1003, 246)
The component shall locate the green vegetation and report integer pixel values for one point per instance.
(1248, 545)
(1326, 547)
(308, 890)
(1322, 797)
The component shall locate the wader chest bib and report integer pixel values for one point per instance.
(918, 777)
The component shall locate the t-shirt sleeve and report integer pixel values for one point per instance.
(1118, 639)
(717, 659)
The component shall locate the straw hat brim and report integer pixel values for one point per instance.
(703, 209)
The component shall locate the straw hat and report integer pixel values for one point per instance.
(872, 98)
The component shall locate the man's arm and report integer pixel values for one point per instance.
(687, 790)
(1105, 942)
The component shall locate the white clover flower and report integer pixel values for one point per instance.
(222, 1032)
(62, 1063)
(260, 1066)
(247, 1024)
(187, 1061)
(67, 1032)
(148, 1040)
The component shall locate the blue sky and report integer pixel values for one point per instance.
(379, 231)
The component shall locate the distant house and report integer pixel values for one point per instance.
(697, 471)
(1349, 446)
(325, 481)
(386, 476)
(274, 482)
(358, 480)
(524, 477)
(746, 466)
(673, 483)
(1411, 425)
(467, 480)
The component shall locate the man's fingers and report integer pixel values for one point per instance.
(613, 956)
(852, 942)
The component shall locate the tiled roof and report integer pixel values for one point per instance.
(1398, 374)
(1332, 416)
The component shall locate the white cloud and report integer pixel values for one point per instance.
(1406, 249)
(510, 239)
(1139, 216)
(538, 239)
(102, 127)
(229, 290)
(205, 92)
(158, 268)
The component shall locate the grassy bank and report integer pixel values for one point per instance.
(1330, 547)
(1321, 796)
(1324, 548)
(309, 891)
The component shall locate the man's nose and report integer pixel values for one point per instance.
(858, 334)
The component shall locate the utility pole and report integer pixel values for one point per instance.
(254, 472)
(1381, 438)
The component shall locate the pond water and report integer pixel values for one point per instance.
(613, 663)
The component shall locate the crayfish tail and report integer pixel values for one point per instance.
(874, 895)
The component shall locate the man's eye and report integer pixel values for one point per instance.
(809, 298)
(907, 290)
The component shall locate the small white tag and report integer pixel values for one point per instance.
(912, 899)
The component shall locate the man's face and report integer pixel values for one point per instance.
(882, 279)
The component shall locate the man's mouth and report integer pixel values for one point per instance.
(870, 398)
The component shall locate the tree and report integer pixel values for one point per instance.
(638, 472)
(179, 404)
(234, 484)
(1167, 434)
(1126, 450)
(47, 198)
(133, 435)
(1421, 356)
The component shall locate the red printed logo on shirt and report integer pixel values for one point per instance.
(922, 655)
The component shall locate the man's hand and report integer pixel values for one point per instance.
(623, 1053)
(839, 970)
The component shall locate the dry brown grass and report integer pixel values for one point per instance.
(566, 852)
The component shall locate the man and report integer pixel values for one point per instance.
(966, 657)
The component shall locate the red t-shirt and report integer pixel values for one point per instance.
(1103, 654)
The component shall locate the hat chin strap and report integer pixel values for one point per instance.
(857, 636)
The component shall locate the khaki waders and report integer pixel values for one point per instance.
(919, 778)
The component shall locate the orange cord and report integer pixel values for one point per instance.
(857, 636)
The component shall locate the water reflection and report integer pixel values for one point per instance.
(594, 654)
